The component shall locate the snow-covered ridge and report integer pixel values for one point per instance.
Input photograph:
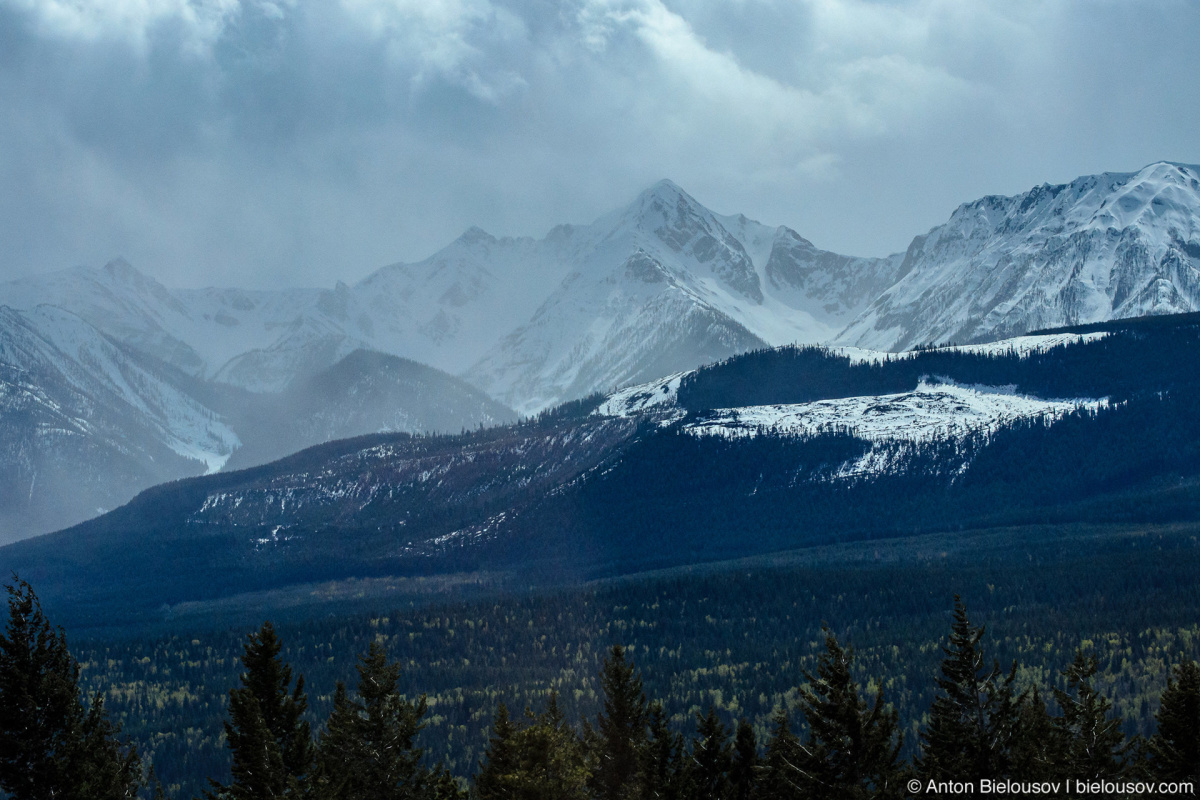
(1103, 247)
(639, 399)
(666, 284)
(1020, 346)
(934, 410)
(663, 394)
(48, 341)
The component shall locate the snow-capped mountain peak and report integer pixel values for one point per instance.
(1102, 247)
(666, 219)
(663, 283)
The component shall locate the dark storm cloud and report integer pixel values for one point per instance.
(303, 141)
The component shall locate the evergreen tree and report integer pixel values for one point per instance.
(662, 766)
(553, 764)
(257, 768)
(974, 718)
(779, 776)
(109, 768)
(712, 758)
(1037, 751)
(744, 771)
(270, 742)
(500, 760)
(545, 760)
(368, 751)
(50, 746)
(1091, 741)
(1175, 747)
(852, 750)
(336, 743)
(620, 733)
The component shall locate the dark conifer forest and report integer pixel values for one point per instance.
(705, 682)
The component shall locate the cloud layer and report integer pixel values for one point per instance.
(259, 142)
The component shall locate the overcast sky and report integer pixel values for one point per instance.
(299, 142)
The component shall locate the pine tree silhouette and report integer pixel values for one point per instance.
(852, 749)
(368, 750)
(50, 745)
(270, 742)
(620, 733)
(1175, 747)
(1092, 740)
(779, 776)
(712, 758)
(973, 722)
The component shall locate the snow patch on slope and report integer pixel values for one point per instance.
(58, 340)
(931, 411)
(1020, 346)
(639, 399)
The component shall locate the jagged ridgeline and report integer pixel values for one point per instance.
(755, 456)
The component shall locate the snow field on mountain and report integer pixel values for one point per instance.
(56, 341)
(933, 410)
(1020, 346)
(644, 397)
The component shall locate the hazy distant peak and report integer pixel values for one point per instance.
(475, 235)
(666, 187)
(121, 271)
(664, 194)
(1187, 170)
(120, 268)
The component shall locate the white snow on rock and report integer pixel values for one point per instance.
(645, 397)
(48, 341)
(1027, 345)
(656, 287)
(1103, 247)
(1021, 346)
(931, 411)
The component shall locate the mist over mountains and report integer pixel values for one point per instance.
(113, 382)
(86, 422)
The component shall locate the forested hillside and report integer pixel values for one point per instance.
(737, 636)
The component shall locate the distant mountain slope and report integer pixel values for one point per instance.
(196, 331)
(84, 423)
(365, 392)
(659, 286)
(629, 325)
(770, 450)
(664, 285)
(1102, 247)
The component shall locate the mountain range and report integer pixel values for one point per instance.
(158, 383)
(771, 450)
